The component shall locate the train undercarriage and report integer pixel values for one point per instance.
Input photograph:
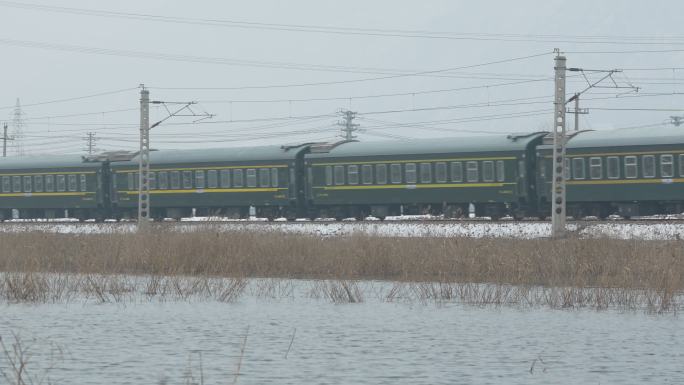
(495, 211)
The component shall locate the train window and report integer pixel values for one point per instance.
(175, 180)
(440, 172)
(153, 180)
(6, 184)
(238, 178)
(49, 183)
(328, 175)
(83, 183)
(339, 175)
(395, 173)
(212, 179)
(488, 171)
(381, 173)
(251, 177)
(578, 168)
(666, 166)
(274, 177)
(500, 171)
(353, 174)
(224, 178)
(456, 172)
(425, 173)
(131, 181)
(187, 179)
(61, 183)
(613, 167)
(681, 165)
(631, 167)
(163, 180)
(410, 169)
(16, 184)
(73, 182)
(367, 174)
(595, 168)
(38, 183)
(199, 179)
(648, 166)
(264, 177)
(472, 173)
(28, 185)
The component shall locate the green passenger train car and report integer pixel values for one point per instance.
(210, 182)
(629, 172)
(50, 187)
(436, 176)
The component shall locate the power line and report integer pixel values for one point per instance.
(357, 97)
(82, 114)
(215, 60)
(421, 73)
(375, 32)
(72, 99)
(637, 109)
(626, 52)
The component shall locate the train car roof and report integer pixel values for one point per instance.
(44, 161)
(212, 155)
(628, 137)
(471, 144)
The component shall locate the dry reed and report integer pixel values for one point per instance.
(573, 272)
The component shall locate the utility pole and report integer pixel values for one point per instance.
(348, 127)
(5, 138)
(144, 153)
(90, 142)
(577, 111)
(558, 206)
(144, 159)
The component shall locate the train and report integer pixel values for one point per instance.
(626, 172)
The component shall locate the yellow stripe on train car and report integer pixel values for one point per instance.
(415, 186)
(209, 191)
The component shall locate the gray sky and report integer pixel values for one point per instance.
(467, 33)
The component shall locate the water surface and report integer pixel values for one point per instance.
(374, 342)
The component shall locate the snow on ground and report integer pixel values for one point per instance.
(661, 230)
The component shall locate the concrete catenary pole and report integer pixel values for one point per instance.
(558, 206)
(5, 138)
(577, 112)
(144, 159)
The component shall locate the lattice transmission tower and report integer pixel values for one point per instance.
(18, 125)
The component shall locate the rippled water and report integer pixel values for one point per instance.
(147, 342)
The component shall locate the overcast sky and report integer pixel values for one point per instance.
(50, 55)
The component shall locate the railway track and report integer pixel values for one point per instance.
(263, 222)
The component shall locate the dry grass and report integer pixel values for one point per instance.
(19, 369)
(573, 272)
